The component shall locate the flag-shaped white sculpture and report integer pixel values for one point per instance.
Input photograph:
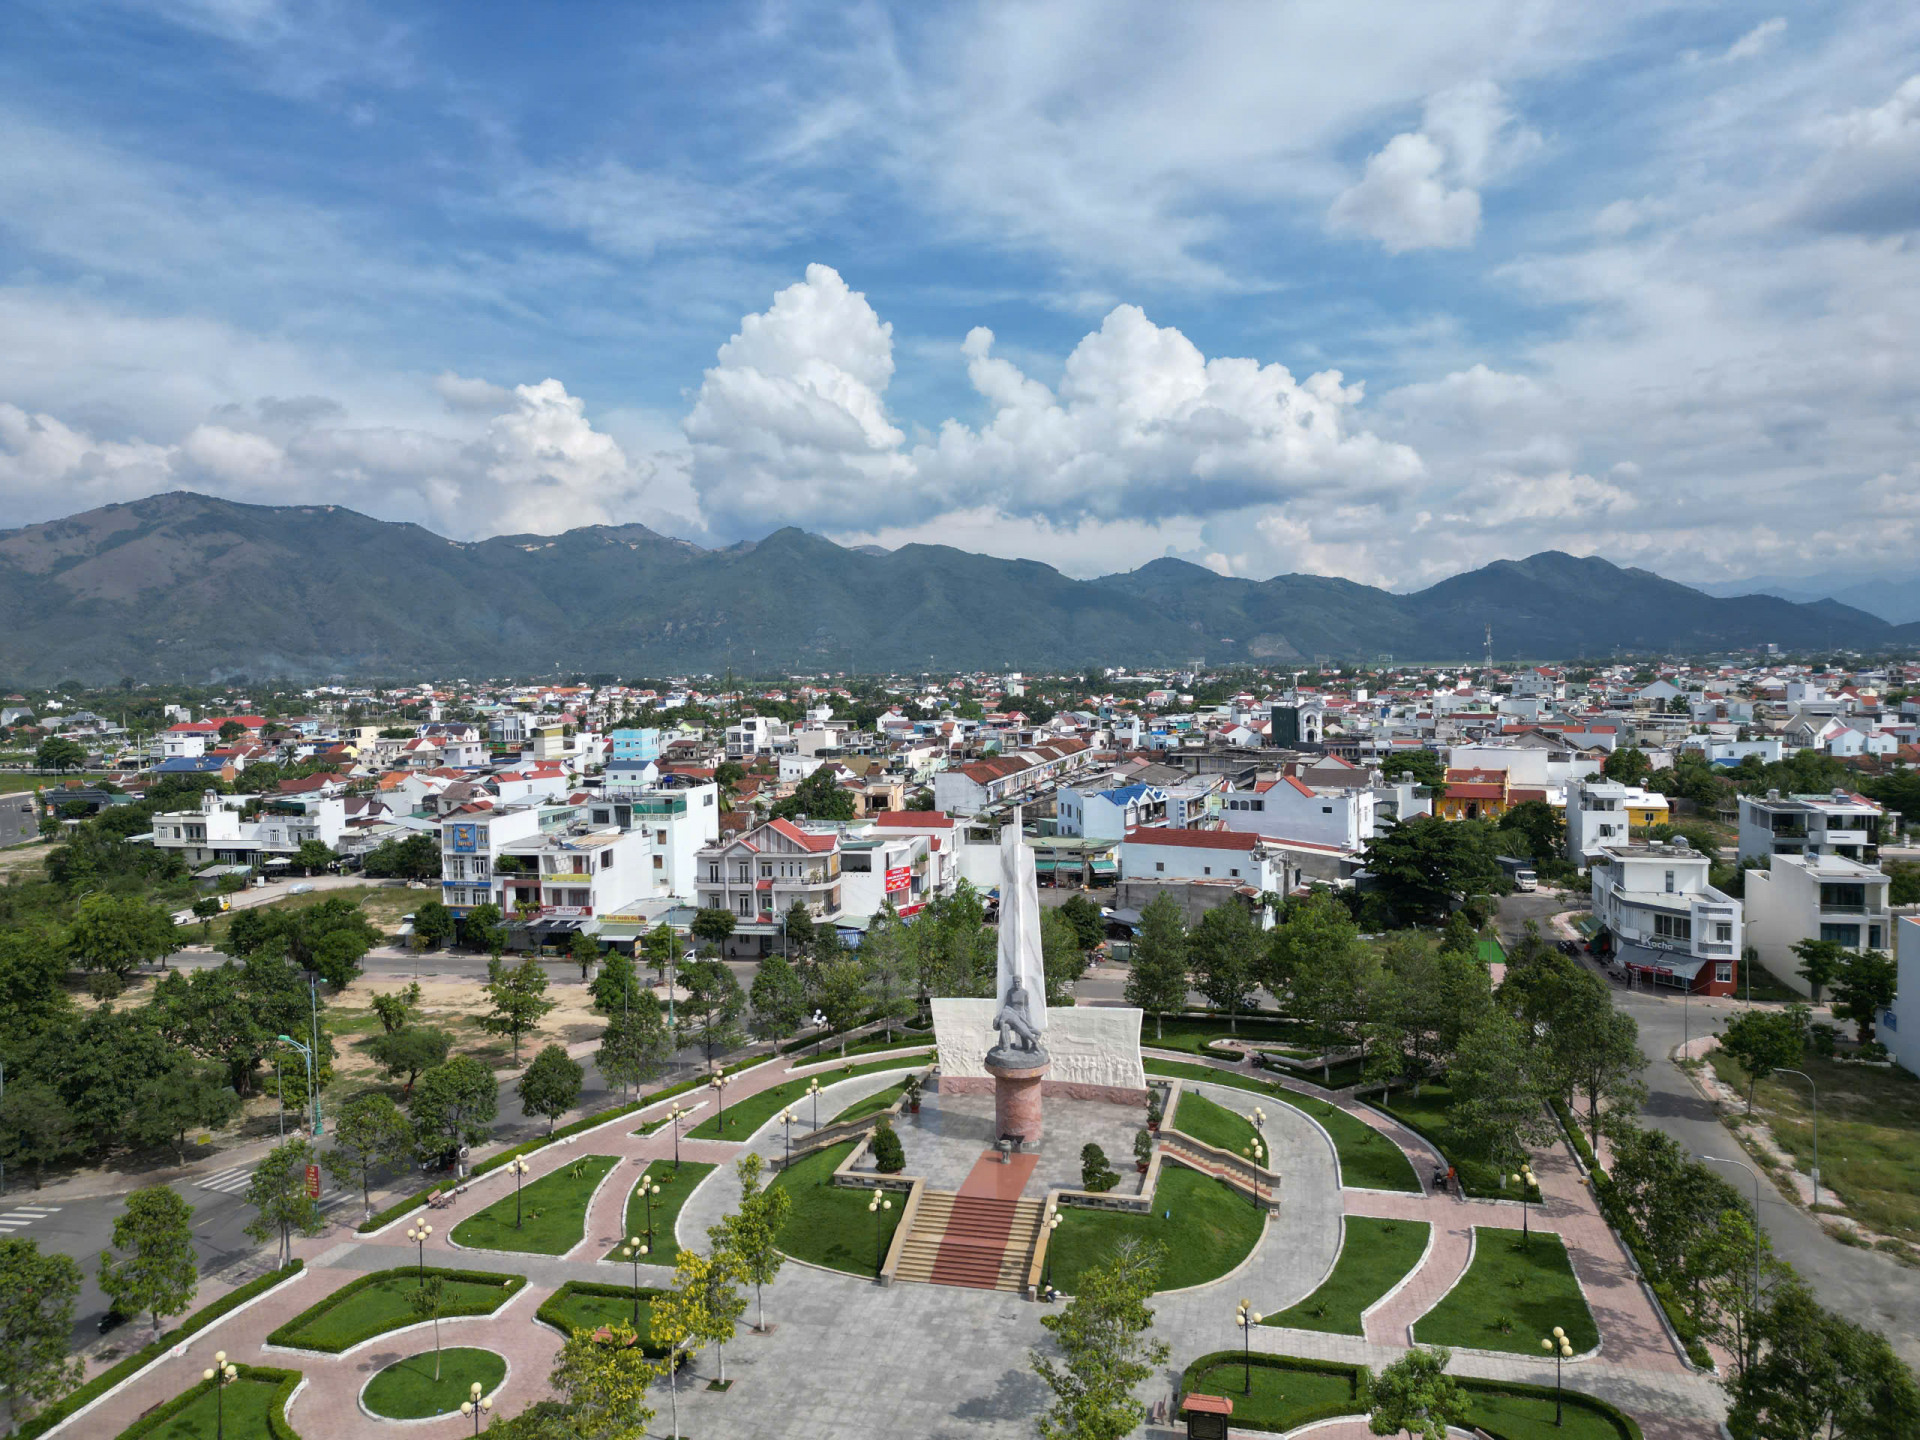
(1021, 1012)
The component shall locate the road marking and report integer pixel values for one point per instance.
(227, 1182)
(22, 1216)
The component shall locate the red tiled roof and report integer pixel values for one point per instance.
(1475, 792)
(806, 841)
(914, 819)
(1193, 839)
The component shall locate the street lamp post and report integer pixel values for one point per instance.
(1526, 1181)
(222, 1376)
(813, 1089)
(1816, 1127)
(676, 1114)
(1754, 1175)
(632, 1252)
(718, 1083)
(313, 1099)
(649, 1188)
(880, 1202)
(1259, 1152)
(1560, 1348)
(280, 1090)
(418, 1235)
(475, 1406)
(1246, 1317)
(518, 1169)
(1053, 1224)
(819, 1022)
(787, 1117)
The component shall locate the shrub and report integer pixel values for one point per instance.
(1095, 1173)
(1142, 1147)
(889, 1155)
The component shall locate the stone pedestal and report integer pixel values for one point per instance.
(1016, 1096)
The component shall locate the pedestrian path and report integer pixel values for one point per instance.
(21, 1216)
(234, 1181)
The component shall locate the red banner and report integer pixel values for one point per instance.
(313, 1182)
(899, 877)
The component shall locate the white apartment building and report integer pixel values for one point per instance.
(1107, 812)
(572, 874)
(1899, 1027)
(1663, 918)
(1290, 809)
(1815, 897)
(944, 844)
(877, 866)
(1003, 779)
(1241, 857)
(1838, 823)
(215, 833)
(757, 877)
(678, 822)
(755, 735)
(469, 842)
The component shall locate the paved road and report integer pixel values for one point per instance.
(1859, 1284)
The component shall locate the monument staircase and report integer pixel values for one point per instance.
(978, 1242)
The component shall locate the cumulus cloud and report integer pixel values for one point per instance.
(1756, 40)
(1421, 190)
(1868, 179)
(464, 393)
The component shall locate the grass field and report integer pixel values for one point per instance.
(1193, 1033)
(1211, 1229)
(580, 1305)
(674, 1191)
(406, 1389)
(1511, 1297)
(749, 1114)
(382, 1305)
(381, 904)
(1367, 1158)
(1374, 1257)
(244, 1409)
(831, 1226)
(1869, 1135)
(1213, 1124)
(553, 1210)
(872, 1105)
(1427, 1113)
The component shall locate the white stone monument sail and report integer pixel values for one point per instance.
(1021, 964)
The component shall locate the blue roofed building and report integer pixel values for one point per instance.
(1107, 814)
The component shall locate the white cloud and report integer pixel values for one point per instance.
(1756, 40)
(1422, 189)
(462, 393)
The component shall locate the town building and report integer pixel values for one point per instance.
(1242, 857)
(1814, 897)
(1662, 919)
(758, 876)
(1837, 823)
(1606, 812)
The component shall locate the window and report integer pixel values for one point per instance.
(713, 874)
(659, 837)
(1326, 809)
(1669, 882)
(1723, 932)
(1723, 973)
(746, 872)
(1234, 873)
(1673, 927)
(1160, 865)
(606, 859)
(766, 869)
(1206, 869)
(1260, 805)
(603, 817)
(1873, 937)
(1847, 935)
(744, 905)
(707, 799)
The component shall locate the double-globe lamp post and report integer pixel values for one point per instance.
(418, 1235)
(633, 1252)
(878, 1203)
(1561, 1349)
(718, 1084)
(787, 1117)
(518, 1169)
(1526, 1180)
(222, 1376)
(678, 1113)
(813, 1089)
(475, 1406)
(1046, 1280)
(1246, 1317)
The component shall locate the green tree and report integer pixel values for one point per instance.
(415, 858)
(1540, 829)
(636, 1046)
(112, 936)
(1499, 1093)
(1863, 988)
(410, 1051)
(278, 1192)
(37, 1295)
(1764, 1041)
(841, 993)
(432, 923)
(1415, 1394)
(1423, 767)
(778, 999)
(1105, 1349)
(181, 1095)
(1316, 956)
(1225, 951)
(33, 971)
(155, 1269)
(713, 1006)
(797, 932)
(396, 1008)
(454, 1105)
(1088, 926)
(1424, 865)
(1062, 960)
(519, 997)
(370, 1133)
(1628, 765)
(313, 855)
(1820, 962)
(712, 926)
(818, 797)
(752, 1233)
(617, 987)
(551, 1086)
(887, 967)
(482, 929)
(585, 952)
(605, 1386)
(35, 1127)
(56, 752)
(1157, 971)
(427, 1300)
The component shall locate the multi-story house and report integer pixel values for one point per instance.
(469, 842)
(1109, 812)
(1008, 779)
(756, 735)
(1605, 812)
(678, 821)
(878, 866)
(1663, 920)
(1838, 823)
(216, 834)
(1239, 858)
(1291, 809)
(759, 876)
(1815, 897)
(571, 874)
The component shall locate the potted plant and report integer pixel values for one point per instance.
(912, 1094)
(1156, 1107)
(1142, 1150)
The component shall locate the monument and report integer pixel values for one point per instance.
(1018, 1062)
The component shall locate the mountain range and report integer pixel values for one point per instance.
(1894, 600)
(187, 587)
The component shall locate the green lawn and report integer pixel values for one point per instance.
(1377, 1253)
(1206, 1226)
(406, 1389)
(553, 1211)
(1490, 951)
(674, 1191)
(831, 1226)
(583, 1305)
(1367, 1158)
(1288, 1392)
(1511, 1297)
(872, 1105)
(245, 1407)
(1193, 1033)
(749, 1114)
(1869, 1135)
(1213, 1124)
(866, 1045)
(1427, 1113)
(379, 1303)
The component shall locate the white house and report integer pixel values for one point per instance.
(759, 876)
(678, 821)
(1158, 853)
(1107, 814)
(1290, 809)
(1664, 920)
(1814, 897)
(1899, 1028)
(1838, 823)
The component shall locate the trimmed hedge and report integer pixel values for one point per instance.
(507, 1284)
(46, 1419)
(414, 1202)
(1623, 1226)
(283, 1381)
(1623, 1424)
(551, 1311)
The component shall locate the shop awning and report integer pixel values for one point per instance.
(1662, 964)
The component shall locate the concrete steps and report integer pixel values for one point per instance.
(971, 1241)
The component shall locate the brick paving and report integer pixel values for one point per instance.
(849, 1358)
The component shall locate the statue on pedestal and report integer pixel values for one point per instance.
(1021, 1018)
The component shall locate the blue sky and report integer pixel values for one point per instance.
(1384, 291)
